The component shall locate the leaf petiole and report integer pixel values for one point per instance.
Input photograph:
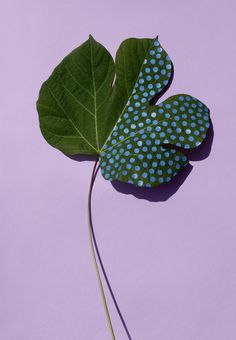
(94, 255)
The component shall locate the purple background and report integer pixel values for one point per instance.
(171, 263)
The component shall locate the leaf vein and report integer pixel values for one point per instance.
(71, 121)
(77, 100)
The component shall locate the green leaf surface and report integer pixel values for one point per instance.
(83, 110)
(72, 102)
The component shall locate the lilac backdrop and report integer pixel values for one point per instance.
(171, 263)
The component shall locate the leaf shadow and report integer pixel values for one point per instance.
(157, 194)
(82, 158)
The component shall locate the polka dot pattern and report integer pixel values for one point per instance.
(138, 150)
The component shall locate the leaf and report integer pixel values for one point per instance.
(81, 112)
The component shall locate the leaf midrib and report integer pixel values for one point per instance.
(94, 93)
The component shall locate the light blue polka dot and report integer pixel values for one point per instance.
(152, 93)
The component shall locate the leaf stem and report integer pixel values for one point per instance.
(95, 171)
(94, 255)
